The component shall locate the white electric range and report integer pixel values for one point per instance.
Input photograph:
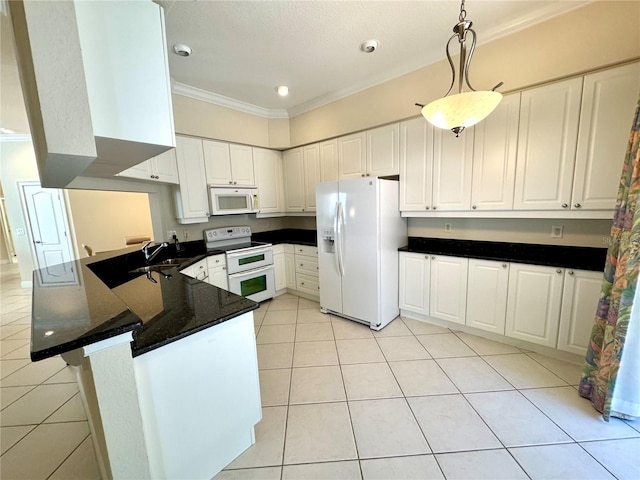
(249, 264)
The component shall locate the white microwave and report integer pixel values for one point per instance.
(226, 201)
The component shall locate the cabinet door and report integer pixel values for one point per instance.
(293, 180)
(580, 297)
(383, 150)
(351, 156)
(242, 165)
(311, 162)
(280, 271)
(608, 103)
(192, 200)
(452, 163)
(533, 303)
(494, 157)
(414, 282)
(218, 277)
(329, 161)
(142, 171)
(547, 138)
(217, 163)
(487, 295)
(290, 267)
(268, 168)
(165, 168)
(416, 164)
(448, 288)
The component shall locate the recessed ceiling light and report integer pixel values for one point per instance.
(282, 90)
(369, 46)
(182, 50)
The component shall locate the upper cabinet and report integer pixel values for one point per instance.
(608, 104)
(192, 200)
(161, 169)
(93, 111)
(383, 151)
(416, 165)
(228, 164)
(547, 139)
(494, 157)
(329, 160)
(293, 168)
(311, 160)
(269, 176)
(452, 164)
(352, 159)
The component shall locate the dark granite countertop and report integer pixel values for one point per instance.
(106, 300)
(582, 258)
(288, 235)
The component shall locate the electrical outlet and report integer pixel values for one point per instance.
(447, 227)
(20, 231)
(170, 234)
(185, 235)
(556, 231)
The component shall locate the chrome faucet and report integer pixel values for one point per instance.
(148, 257)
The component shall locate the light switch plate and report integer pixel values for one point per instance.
(556, 231)
(447, 227)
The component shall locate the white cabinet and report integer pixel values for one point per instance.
(329, 161)
(306, 270)
(494, 157)
(383, 151)
(415, 272)
(293, 180)
(352, 159)
(448, 288)
(198, 270)
(533, 303)
(452, 163)
(311, 164)
(416, 165)
(608, 104)
(290, 266)
(161, 168)
(547, 138)
(580, 297)
(192, 204)
(269, 178)
(487, 295)
(217, 271)
(279, 268)
(228, 164)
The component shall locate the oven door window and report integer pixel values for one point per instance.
(253, 285)
(251, 259)
(232, 202)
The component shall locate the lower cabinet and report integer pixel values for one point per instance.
(279, 267)
(307, 281)
(533, 305)
(415, 271)
(487, 295)
(448, 288)
(217, 270)
(290, 266)
(580, 297)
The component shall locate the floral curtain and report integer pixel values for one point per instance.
(613, 315)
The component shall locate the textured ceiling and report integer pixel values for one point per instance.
(243, 49)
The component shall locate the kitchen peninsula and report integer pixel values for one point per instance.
(167, 364)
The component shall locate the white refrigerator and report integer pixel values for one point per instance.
(359, 232)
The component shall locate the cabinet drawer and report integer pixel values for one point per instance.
(307, 250)
(307, 265)
(216, 261)
(308, 284)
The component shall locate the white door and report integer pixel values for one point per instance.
(290, 268)
(192, 197)
(242, 165)
(414, 282)
(311, 161)
(416, 165)
(217, 163)
(329, 161)
(165, 168)
(328, 248)
(49, 229)
(494, 157)
(547, 138)
(608, 102)
(269, 178)
(383, 150)
(452, 164)
(579, 304)
(487, 295)
(293, 180)
(280, 271)
(533, 303)
(448, 288)
(352, 161)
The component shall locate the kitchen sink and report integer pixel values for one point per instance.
(155, 268)
(174, 261)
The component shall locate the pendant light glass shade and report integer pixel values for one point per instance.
(461, 109)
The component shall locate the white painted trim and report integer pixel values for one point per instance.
(221, 100)
(26, 284)
(89, 350)
(571, 214)
(15, 137)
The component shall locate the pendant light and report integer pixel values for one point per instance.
(463, 109)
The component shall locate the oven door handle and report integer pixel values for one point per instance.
(248, 273)
(249, 250)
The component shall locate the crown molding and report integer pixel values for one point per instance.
(222, 101)
(15, 137)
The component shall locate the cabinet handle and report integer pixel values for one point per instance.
(302, 265)
(504, 265)
(301, 283)
(434, 207)
(577, 205)
(235, 183)
(362, 174)
(427, 207)
(570, 272)
(230, 182)
(474, 207)
(433, 257)
(558, 271)
(564, 205)
(367, 174)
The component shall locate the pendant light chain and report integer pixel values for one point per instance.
(463, 12)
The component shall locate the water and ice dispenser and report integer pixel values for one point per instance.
(328, 240)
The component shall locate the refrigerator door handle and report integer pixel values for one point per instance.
(336, 238)
(339, 233)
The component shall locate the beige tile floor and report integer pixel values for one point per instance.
(340, 401)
